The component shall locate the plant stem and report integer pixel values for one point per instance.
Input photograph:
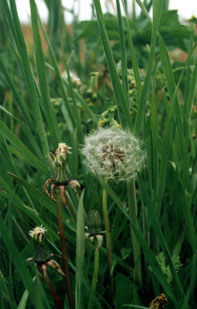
(53, 292)
(133, 216)
(64, 252)
(108, 244)
(95, 275)
(107, 230)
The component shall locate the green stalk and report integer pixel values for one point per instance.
(64, 252)
(107, 230)
(133, 219)
(108, 243)
(95, 276)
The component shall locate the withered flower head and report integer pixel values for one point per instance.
(37, 233)
(42, 255)
(159, 302)
(61, 176)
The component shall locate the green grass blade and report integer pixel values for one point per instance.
(150, 258)
(57, 71)
(157, 10)
(133, 55)
(25, 153)
(30, 138)
(80, 250)
(23, 301)
(144, 10)
(192, 92)
(15, 92)
(29, 79)
(119, 93)
(11, 23)
(123, 48)
(174, 110)
(43, 84)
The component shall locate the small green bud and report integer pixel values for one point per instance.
(94, 227)
(94, 222)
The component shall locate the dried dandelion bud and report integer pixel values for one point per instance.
(61, 175)
(41, 251)
(159, 302)
(113, 154)
(42, 255)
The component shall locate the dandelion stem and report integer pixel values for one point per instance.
(133, 216)
(107, 229)
(53, 292)
(108, 241)
(64, 252)
(95, 275)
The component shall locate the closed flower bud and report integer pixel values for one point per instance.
(94, 228)
(41, 251)
(61, 175)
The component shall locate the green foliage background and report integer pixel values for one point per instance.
(40, 108)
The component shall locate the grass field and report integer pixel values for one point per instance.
(98, 158)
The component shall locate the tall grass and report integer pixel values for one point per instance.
(152, 217)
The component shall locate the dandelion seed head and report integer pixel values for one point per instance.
(113, 154)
